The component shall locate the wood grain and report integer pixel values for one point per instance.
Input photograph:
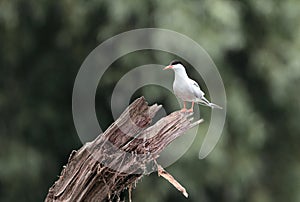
(100, 170)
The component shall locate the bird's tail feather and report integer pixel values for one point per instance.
(212, 105)
(205, 102)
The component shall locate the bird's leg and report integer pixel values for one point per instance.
(184, 107)
(192, 108)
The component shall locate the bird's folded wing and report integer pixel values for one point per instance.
(196, 89)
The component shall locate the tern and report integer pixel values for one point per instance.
(187, 89)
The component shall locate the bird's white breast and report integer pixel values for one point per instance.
(182, 89)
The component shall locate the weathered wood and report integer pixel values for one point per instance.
(100, 170)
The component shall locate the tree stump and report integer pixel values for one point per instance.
(100, 170)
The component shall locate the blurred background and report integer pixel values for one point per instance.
(255, 45)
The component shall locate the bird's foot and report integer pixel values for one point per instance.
(190, 110)
(183, 110)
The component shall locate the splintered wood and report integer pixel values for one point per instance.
(170, 178)
(100, 170)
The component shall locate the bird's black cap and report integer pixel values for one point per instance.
(175, 62)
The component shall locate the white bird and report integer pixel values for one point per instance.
(187, 89)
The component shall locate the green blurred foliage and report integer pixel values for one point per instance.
(255, 44)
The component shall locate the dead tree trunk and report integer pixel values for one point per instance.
(100, 170)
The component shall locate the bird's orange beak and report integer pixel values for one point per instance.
(168, 67)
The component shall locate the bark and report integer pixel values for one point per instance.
(100, 170)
